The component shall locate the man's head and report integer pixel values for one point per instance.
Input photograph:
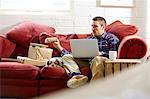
(98, 26)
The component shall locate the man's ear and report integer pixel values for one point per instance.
(103, 26)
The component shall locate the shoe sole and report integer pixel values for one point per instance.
(74, 83)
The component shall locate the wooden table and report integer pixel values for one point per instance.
(115, 66)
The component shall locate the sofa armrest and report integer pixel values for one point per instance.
(6, 47)
(132, 47)
(9, 60)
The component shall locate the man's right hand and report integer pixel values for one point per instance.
(55, 42)
(100, 53)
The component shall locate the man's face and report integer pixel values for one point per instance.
(98, 28)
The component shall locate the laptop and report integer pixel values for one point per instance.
(84, 48)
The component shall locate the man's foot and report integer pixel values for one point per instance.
(76, 81)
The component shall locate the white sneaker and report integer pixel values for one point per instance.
(76, 81)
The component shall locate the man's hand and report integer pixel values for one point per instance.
(100, 53)
(55, 42)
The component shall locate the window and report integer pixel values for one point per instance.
(35, 6)
(116, 3)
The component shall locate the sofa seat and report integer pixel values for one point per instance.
(18, 80)
(18, 71)
(55, 78)
(51, 85)
(20, 88)
(53, 72)
(60, 73)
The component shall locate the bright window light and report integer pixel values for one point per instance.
(35, 5)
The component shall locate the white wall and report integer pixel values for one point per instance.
(148, 23)
(79, 20)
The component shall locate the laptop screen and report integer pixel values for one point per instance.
(84, 48)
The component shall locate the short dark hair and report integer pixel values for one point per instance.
(98, 18)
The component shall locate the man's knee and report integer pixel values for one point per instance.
(67, 56)
(99, 59)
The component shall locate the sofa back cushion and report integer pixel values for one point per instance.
(121, 30)
(23, 33)
(19, 51)
(64, 41)
(6, 47)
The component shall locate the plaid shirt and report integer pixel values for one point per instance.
(107, 42)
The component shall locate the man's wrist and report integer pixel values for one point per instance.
(60, 49)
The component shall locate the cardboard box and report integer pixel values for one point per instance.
(39, 51)
(26, 60)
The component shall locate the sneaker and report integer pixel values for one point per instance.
(76, 81)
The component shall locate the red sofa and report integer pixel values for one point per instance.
(24, 80)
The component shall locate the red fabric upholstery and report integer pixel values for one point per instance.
(58, 72)
(51, 85)
(64, 41)
(121, 30)
(18, 88)
(56, 78)
(18, 71)
(19, 51)
(82, 36)
(54, 72)
(24, 32)
(132, 47)
(6, 47)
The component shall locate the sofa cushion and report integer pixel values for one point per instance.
(132, 47)
(59, 72)
(83, 36)
(25, 31)
(6, 47)
(121, 30)
(19, 51)
(53, 72)
(64, 41)
(18, 71)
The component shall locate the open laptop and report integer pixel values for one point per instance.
(84, 48)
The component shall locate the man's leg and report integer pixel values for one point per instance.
(70, 64)
(73, 70)
(97, 67)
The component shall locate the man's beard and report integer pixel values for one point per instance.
(97, 35)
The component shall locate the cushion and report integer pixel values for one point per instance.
(64, 41)
(121, 30)
(19, 51)
(132, 47)
(83, 36)
(53, 72)
(25, 31)
(6, 47)
(18, 70)
(59, 72)
(61, 37)
(65, 44)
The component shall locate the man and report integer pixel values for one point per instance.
(106, 42)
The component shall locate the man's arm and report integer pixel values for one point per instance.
(57, 45)
(114, 42)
